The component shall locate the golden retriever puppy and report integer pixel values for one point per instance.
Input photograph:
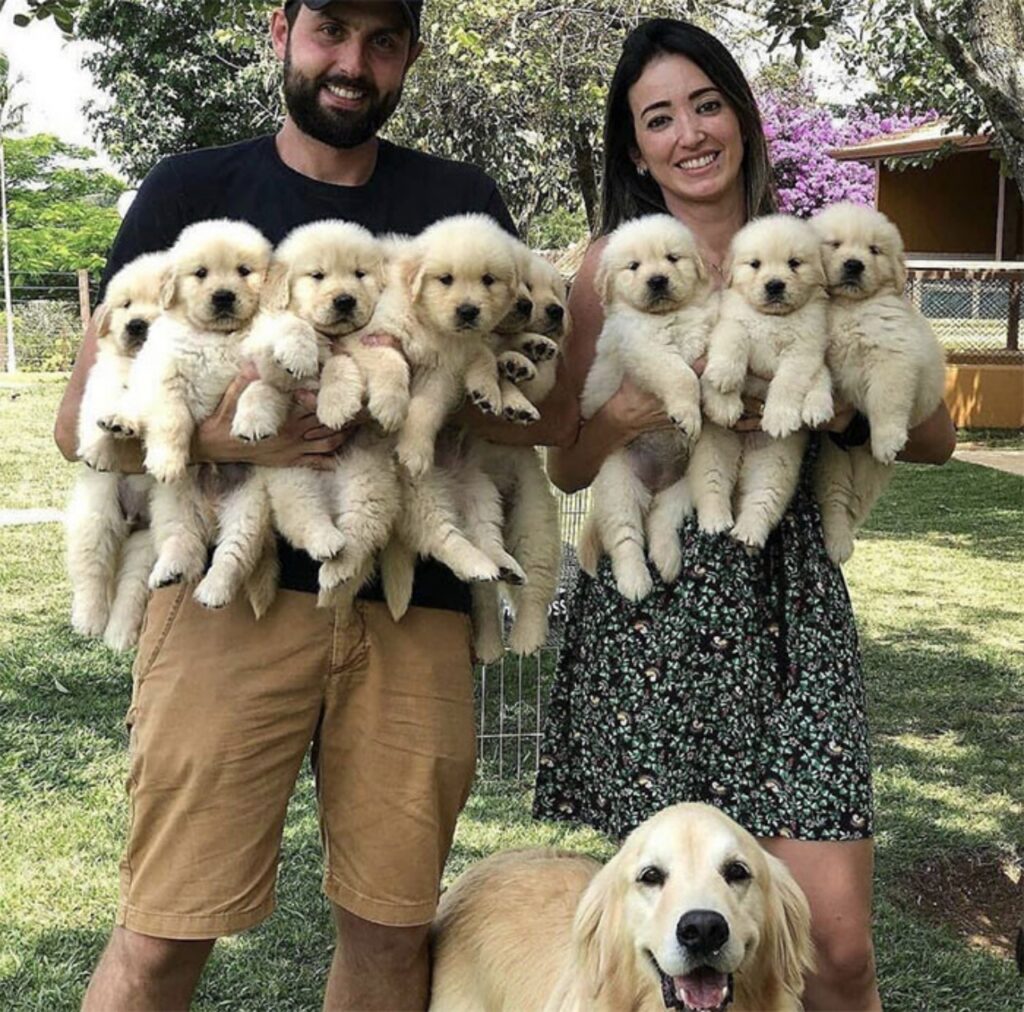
(769, 341)
(109, 551)
(324, 283)
(209, 296)
(658, 314)
(883, 357)
(461, 279)
(691, 913)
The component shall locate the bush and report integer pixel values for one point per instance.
(557, 229)
(46, 335)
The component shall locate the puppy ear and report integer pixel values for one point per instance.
(102, 319)
(817, 262)
(785, 953)
(276, 292)
(597, 928)
(413, 271)
(899, 271)
(727, 265)
(702, 268)
(168, 288)
(603, 278)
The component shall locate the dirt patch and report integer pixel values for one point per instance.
(979, 895)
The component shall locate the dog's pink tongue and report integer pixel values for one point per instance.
(702, 989)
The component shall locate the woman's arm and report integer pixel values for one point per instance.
(931, 442)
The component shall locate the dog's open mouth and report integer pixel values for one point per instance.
(702, 990)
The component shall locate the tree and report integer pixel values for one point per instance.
(11, 114)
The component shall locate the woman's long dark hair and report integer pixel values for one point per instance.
(624, 193)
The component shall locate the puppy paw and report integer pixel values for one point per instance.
(89, 618)
(886, 442)
(527, 637)
(338, 408)
(778, 421)
(839, 545)
(119, 426)
(538, 348)
(214, 592)
(121, 637)
(687, 418)
(511, 572)
(389, 409)
(253, 426)
(723, 409)
(749, 532)
(297, 357)
(414, 457)
(634, 583)
(324, 544)
(100, 456)
(521, 414)
(667, 556)
(486, 400)
(818, 409)
(173, 570)
(165, 464)
(518, 368)
(725, 377)
(714, 520)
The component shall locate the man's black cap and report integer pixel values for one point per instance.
(412, 9)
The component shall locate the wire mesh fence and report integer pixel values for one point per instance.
(511, 694)
(975, 313)
(49, 315)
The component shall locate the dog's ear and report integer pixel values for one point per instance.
(727, 267)
(413, 272)
(702, 268)
(276, 292)
(168, 288)
(817, 262)
(101, 318)
(596, 930)
(899, 271)
(604, 278)
(785, 953)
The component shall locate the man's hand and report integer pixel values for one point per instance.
(302, 441)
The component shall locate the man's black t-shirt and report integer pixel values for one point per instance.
(248, 181)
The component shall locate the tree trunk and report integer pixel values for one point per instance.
(583, 155)
(989, 56)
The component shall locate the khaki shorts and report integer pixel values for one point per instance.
(223, 710)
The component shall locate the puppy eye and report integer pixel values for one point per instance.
(127, 305)
(634, 265)
(651, 876)
(201, 273)
(488, 280)
(755, 264)
(735, 871)
(360, 275)
(874, 250)
(446, 279)
(794, 263)
(529, 287)
(835, 243)
(672, 257)
(317, 275)
(244, 271)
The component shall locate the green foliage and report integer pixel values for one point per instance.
(557, 229)
(62, 211)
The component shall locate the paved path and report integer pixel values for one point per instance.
(15, 518)
(1010, 461)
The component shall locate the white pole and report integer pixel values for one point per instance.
(12, 365)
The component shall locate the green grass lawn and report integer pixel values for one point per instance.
(938, 587)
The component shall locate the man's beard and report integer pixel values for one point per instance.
(335, 127)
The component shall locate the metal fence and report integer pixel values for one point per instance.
(511, 694)
(49, 313)
(974, 311)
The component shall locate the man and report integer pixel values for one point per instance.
(223, 708)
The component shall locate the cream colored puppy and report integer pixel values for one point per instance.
(109, 549)
(769, 341)
(691, 914)
(210, 295)
(323, 285)
(658, 314)
(884, 360)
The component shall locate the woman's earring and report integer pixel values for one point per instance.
(641, 170)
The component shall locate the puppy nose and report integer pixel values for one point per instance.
(524, 307)
(467, 313)
(774, 288)
(853, 268)
(223, 299)
(702, 932)
(344, 303)
(137, 328)
(555, 312)
(657, 282)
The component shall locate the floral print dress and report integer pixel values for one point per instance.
(738, 685)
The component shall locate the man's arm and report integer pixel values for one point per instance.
(65, 430)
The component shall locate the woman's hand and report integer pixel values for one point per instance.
(632, 411)
(302, 441)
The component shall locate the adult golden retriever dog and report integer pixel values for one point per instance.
(690, 914)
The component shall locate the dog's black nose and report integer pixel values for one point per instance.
(555, 312)
(467, 313)
(222, 299)
(657, 282)
(137, 329)
(853, 268)
(774, 288)
(702, 932)
(344, 304)
(524, 307)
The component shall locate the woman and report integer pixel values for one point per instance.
(740, 684)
